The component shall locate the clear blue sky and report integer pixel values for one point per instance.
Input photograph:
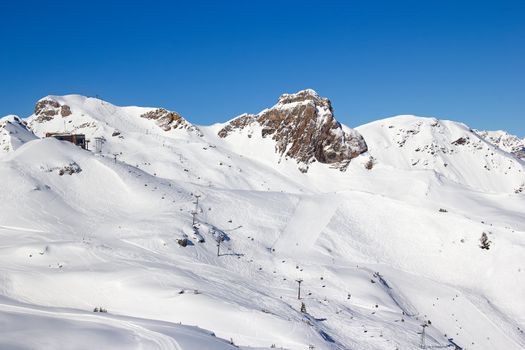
(212, 60)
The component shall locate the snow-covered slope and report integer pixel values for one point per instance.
(381, 247)
(28, 327)
(505, 141)
(13, 134)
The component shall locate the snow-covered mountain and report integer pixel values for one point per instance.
(393, 241)
(13, 134)
(505, 141)
(449, 149)
(98, 118)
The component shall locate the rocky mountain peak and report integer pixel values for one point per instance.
(303, 96)
(304, 128)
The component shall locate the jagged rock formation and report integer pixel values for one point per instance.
(304, 128)
(238, 123)
(505, 141)
(168, 120)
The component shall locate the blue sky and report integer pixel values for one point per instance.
(212, 60)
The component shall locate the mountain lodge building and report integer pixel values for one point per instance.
(77, 139)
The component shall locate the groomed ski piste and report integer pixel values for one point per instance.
(380, 251)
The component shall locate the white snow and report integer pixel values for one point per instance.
(505, 141)
(376, 255)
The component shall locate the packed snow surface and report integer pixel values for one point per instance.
(382, 248)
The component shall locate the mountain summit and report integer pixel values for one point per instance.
(97, 118)
(446, 148)
(304, 128)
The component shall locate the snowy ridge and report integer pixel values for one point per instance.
(13, 133)
(505, 141)
(98, 118)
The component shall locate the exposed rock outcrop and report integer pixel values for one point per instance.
(304, 128)
(46, 109)
(65, 111)
(238, 123)
(168, 120)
